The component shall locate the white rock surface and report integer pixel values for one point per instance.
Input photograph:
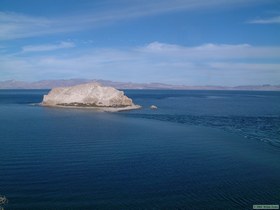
(91, 95)
(153, 107)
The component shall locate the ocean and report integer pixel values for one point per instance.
(199, 150)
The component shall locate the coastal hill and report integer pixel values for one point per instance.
(90, 95)
(48, 84)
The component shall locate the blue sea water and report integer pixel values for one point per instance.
(198, 150)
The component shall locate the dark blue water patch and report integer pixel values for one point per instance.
(70, 159)
(265, 129)
(21, 96)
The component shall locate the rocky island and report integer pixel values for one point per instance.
(90, 95)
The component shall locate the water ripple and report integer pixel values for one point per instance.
(262, 128)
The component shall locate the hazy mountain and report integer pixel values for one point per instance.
(48, 84)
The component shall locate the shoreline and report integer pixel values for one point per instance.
(102, 109)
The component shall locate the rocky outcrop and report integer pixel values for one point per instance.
(153, 107)
(91, 95)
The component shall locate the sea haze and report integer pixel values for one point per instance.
(198, 150)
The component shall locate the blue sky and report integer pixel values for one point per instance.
(190, 42)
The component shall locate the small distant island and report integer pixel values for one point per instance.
(90, 95)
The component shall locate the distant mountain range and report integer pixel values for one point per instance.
(48, 84)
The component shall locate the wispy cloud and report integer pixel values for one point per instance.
(14, 25)
(214, 64)
(271, 20)
(212, 51)
(47, 47)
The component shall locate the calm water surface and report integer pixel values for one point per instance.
(198, 150)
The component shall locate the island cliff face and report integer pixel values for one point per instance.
(91, 95)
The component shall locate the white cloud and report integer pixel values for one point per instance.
(212, 51)
(272, 20)
(15, 25)
(253, 67)
(47, 47)
(211, 64)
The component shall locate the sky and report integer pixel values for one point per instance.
(186, 42)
